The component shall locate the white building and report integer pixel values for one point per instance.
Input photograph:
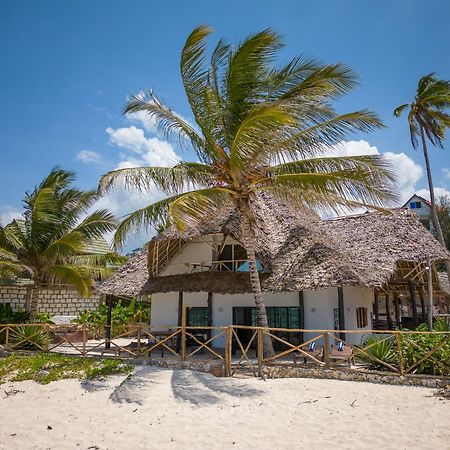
(422, 208)
(330, 275)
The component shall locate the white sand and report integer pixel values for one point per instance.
(165, 409)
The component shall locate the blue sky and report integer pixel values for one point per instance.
(67, 67)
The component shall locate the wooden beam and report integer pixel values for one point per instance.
(180, 318)
(397, 310)
(210, 313)
(376, 311)
(109, 299)
(422, 304)
(301, 314)
(388, 313)
(341, 310)
(412, 297)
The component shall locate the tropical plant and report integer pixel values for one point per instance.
(415, 348)
(27, 337)
(443, 213)
(379, 349)
(8, 315)
(43, 317)
(258, 128)
(428, 119)
(57, 241)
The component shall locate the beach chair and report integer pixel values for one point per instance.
(312, 349)
(342, 352)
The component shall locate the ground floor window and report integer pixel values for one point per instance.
(198, 316)
(361, 317)
(277, 317)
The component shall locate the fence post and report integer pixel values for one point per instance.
(183, 333)
(227, 352)
(260, 352)
(138, 341)
(47, 338)
(400, 354)
(326, 349)
(6, 337)
(84, 340)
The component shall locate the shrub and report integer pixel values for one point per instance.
(382, 349)
(43, 317)
(27, 337)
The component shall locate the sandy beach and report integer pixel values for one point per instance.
(159, 408)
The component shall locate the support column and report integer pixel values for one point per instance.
(388, 313)
(341, 311)
(422, 304)
(397, 310)
(180, 318)
(210, 313)
(109, 300)
(413, 302)
(376, 311)
(301, 314)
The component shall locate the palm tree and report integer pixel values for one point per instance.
(428, 119)
(257, 127)
(53, 243)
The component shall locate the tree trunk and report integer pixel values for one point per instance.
(248, 241)
(436, 222)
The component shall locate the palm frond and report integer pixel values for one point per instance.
(96, 224)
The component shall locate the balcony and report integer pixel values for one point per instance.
(232, 265)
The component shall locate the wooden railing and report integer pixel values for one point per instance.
(231, 265)
(241, 348)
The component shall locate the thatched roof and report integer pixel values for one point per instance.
(300, 251)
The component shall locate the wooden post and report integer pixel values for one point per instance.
(388, 313)
(139, 341)
(422, 304)
(341, 309)
(180, 318)
(430, 294)
(326, 349)
(84, 340)
(397, 310)
(227, 352)
(108, 322)
(183, 332)
(47, 337)
(413, 302)
(400, 354)
(210, 313)
(376, 311)
(6, 338)
(301, 313)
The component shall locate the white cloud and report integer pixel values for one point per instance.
(88, 156)
(9, 213)
(144, 119)
(438, 192)
(152, 151)
(407, 170)
(446, 172)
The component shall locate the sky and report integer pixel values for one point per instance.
(67, 68)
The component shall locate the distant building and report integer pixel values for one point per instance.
(422, 208)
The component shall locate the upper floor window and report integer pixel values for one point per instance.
(232, 255)
(415, 205)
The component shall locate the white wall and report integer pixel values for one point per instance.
(319, 307)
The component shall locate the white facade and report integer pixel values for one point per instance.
(422, 208)
(320, 307)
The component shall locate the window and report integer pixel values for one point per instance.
(361, 317)
(232, 256)
(198, 317)
(415, 205)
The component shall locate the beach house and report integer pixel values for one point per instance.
(353, 272)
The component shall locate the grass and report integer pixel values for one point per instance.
(45, 368)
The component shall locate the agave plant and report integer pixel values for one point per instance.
(27, 337)
(380, 349)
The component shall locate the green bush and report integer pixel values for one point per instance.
(416, 346)
(121, 316)
(43, 317)
(382, 349)
(7, 315)
(27, 337)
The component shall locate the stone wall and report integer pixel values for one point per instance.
(56, 300)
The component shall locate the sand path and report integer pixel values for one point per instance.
(165, 409)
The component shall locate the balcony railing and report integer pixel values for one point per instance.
(235, 265)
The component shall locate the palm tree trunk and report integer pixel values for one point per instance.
(248, 241)
(436, 222)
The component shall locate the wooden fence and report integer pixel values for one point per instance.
(241, 348)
